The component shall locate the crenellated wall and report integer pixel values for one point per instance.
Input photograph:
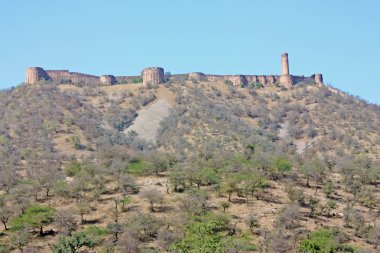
(242, 80)
(73, 77)
(156, 76)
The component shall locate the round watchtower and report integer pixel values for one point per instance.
(284, 64)
(35, 74)
(286, 79)
(153, 75)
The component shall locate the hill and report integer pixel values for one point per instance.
(188, 166)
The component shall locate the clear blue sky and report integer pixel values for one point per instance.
(339, 38)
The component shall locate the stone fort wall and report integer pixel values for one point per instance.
(155, 76)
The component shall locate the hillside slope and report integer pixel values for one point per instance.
(135, 168)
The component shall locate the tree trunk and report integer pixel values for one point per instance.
(5, 225)
(6, 189)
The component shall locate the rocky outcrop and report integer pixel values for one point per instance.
(153, 75)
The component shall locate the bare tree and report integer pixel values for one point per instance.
(153, 196)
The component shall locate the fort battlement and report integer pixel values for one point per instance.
(156, 76)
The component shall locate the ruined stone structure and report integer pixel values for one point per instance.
(285, 79)
(153, 76)
(239, 80)
(156, 76)
(108, 79)
(197, 76)
(318, 78)
(284, 64)
(35, 74)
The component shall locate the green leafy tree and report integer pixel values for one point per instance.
(72, 244)
(206, 176)
(36, 216)
(249, 151)
(229, 186)
(124, 201)
(253, 183)
(325, 240)
(202, 237)
(73, 168)
(178, 178)
(282, 165)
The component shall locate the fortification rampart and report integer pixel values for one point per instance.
(127, 79)
(156, 76)
(73, 77)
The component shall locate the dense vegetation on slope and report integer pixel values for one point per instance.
(234, 169)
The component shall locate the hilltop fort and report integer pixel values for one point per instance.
(157, 76)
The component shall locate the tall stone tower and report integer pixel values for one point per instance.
(284, 64)
(153, 76)
(285, 79)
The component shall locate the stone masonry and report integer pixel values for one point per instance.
(153, 75)
(156, 76)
